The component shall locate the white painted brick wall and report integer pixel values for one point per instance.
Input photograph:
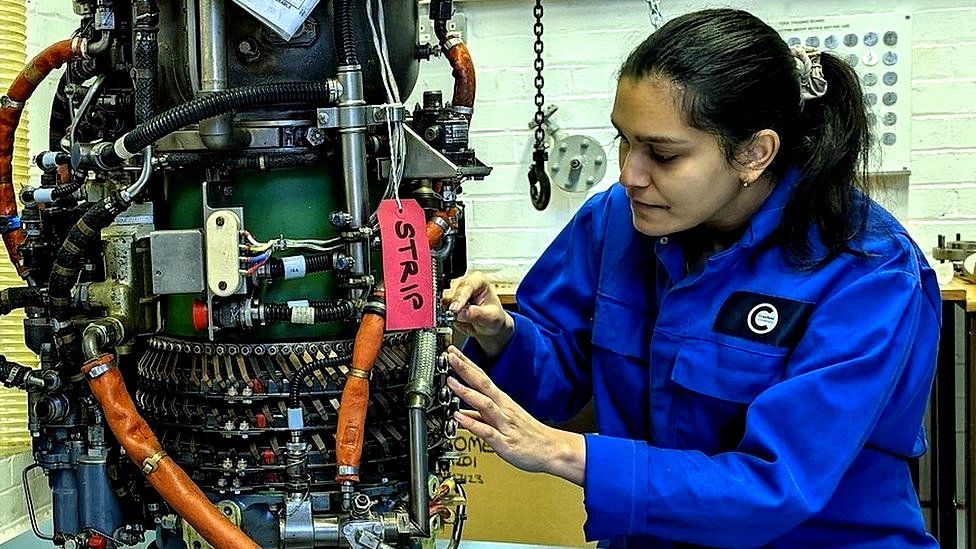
(586, 42)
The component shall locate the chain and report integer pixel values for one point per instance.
(654, 7)
(540, 98)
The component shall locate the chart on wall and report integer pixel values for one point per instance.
(879, 48)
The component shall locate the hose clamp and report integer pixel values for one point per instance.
(461, 109)
(97, 371)
(7, 103)
(356, 372)
(151, 463)
(451, 42)
(346, 470)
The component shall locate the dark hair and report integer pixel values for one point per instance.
(738, 76)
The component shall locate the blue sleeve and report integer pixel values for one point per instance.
(801, 436)
(545, 367)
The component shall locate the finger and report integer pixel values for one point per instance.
(477, 428)
(489, 411)
(473, 376)
(461, 295)
(475, 414)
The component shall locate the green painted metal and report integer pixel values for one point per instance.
(293, 202)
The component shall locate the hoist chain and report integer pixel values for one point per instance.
(540, 98)
(540, 187)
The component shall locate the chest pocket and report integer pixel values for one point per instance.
(621, 328)
(715, 385)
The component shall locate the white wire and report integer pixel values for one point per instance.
(394, 130)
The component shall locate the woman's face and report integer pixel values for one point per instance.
(676, 176)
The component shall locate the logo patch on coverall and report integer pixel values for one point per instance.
(764, 319)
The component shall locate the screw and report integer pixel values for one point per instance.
(220, 221)
(222, 285)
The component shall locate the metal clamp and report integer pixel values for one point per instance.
(356, 372)
(8, 103)
(99, 370)
(346, 470)
(151, 463)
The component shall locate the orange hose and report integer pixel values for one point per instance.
(355, 396)
(464, 76)
(135, 435)
(20, 91)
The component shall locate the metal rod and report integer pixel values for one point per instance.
(217, 132)
(419, 492)
(352, 126)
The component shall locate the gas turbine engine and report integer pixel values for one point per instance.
(234, 265)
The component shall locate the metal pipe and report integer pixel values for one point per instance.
(352, 127)
(104, 332)
(144, 175)
(420, 392)
(217, 133)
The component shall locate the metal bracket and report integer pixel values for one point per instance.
(330, 117)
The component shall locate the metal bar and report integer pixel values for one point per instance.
(944, 421)
(969, 363)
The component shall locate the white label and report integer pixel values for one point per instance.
(294, 266)
(302, 315)
(284, 17)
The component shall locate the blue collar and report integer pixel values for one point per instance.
(765, 221)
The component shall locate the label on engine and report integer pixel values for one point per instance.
(284, 17)
(407, 271)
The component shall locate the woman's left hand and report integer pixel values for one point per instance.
(513, 433)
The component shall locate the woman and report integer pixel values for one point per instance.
(758, 337)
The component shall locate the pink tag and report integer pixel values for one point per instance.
(407, 272)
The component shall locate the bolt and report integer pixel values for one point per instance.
(344, 262)
(323, 118)
(575, 164)
(227, 463)
(244, 426)
(229, 425)
(222, 285)
(220, 221)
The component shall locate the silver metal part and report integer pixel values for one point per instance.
(373, 115)
(222, 230)
(353, 134)
(424, 161)
(577, 163)
(256, 134)
(217, 132)
(177, 261)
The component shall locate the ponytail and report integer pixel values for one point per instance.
(832, 154)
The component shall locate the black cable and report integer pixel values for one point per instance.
(298, 378)
(345, 34)
(210, 105)
(325, 311)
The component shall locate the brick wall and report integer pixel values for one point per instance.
(585, 44)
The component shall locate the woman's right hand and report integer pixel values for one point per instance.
(478, 312)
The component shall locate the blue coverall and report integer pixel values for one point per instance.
(748, 404)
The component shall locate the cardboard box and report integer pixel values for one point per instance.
(512, 506)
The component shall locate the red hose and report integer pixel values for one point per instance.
(464, 76)
(20, 91)
(135, 435)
